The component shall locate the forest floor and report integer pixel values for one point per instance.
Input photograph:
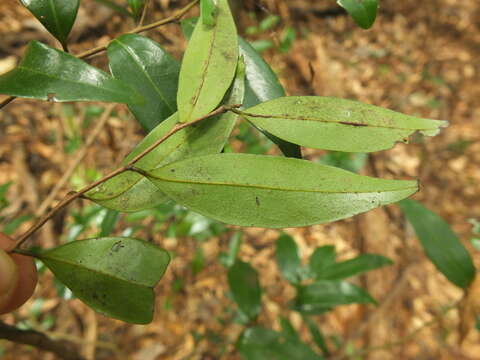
(420, 58)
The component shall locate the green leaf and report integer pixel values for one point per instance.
(261, 85)
(364, 12)
(257, 343)
(317, 335)
(151, 71)
(288, 330)
(322, 258)
(441, 244)
(49, 74)
(337, 124)
(208, 66)
(109, 221)
(330, 293)
(130, 191)
(57, 16)
(115, 276)
(228, 259)
(288, 258)
(136, 6)
(207, 8)
(270, 191)
(355, 266)
(245, 287)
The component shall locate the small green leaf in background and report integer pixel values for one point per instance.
(288, 39)
(364, 12)
(46, 73)
(208, 65)
(355, 266)
(441, 244)
(151, 71)
(288, 258)
(207, 9)
(317, 335)
(269, 22)
(353, 162)
(228, 259)
(136, 6)
(288, 330)
(115, 7)
(114, 276)
(337, 124)
(57, 16)
(273, 191)
(109, 221)
(322, 258)
(325, 294)
(258, 343)
(245, 287)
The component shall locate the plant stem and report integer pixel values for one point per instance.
(70, 197)
(144, 13)
(139, 29)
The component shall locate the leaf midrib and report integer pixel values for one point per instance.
(263, 187)
(27, 69)
(75, 264)
(339, 122)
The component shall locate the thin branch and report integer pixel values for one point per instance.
(70, 197)
(144, 13)
(139, 29)
(64, 350)
(76, 161)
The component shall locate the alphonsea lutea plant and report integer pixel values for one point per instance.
(190, 110)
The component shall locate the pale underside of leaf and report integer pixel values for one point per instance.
(265, 191)
(337, 124)
(208, 65)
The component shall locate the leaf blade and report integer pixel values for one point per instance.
(440, 243)
(337, 124)
(57, 16)
(352, 267)
(274, 192)
(245, 287)
(151, 71)
(208, 66)
(363, 12)
(288, 258)
(115, 276)
(62, 77)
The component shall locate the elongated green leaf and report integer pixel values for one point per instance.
(228, 259)
(208, 66)
(364, 12)
(114, 276)
(151, 71)
(270, 191)
(337, 124)
(288, 258)
(355, 266)
(330, 293)
(258, 343)
(136, 6)
(130, 191)
(245, 287)
(57, 16)
(441, 244)
(317, 335)
(49, 74)
(261, 85)
(322, 258)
